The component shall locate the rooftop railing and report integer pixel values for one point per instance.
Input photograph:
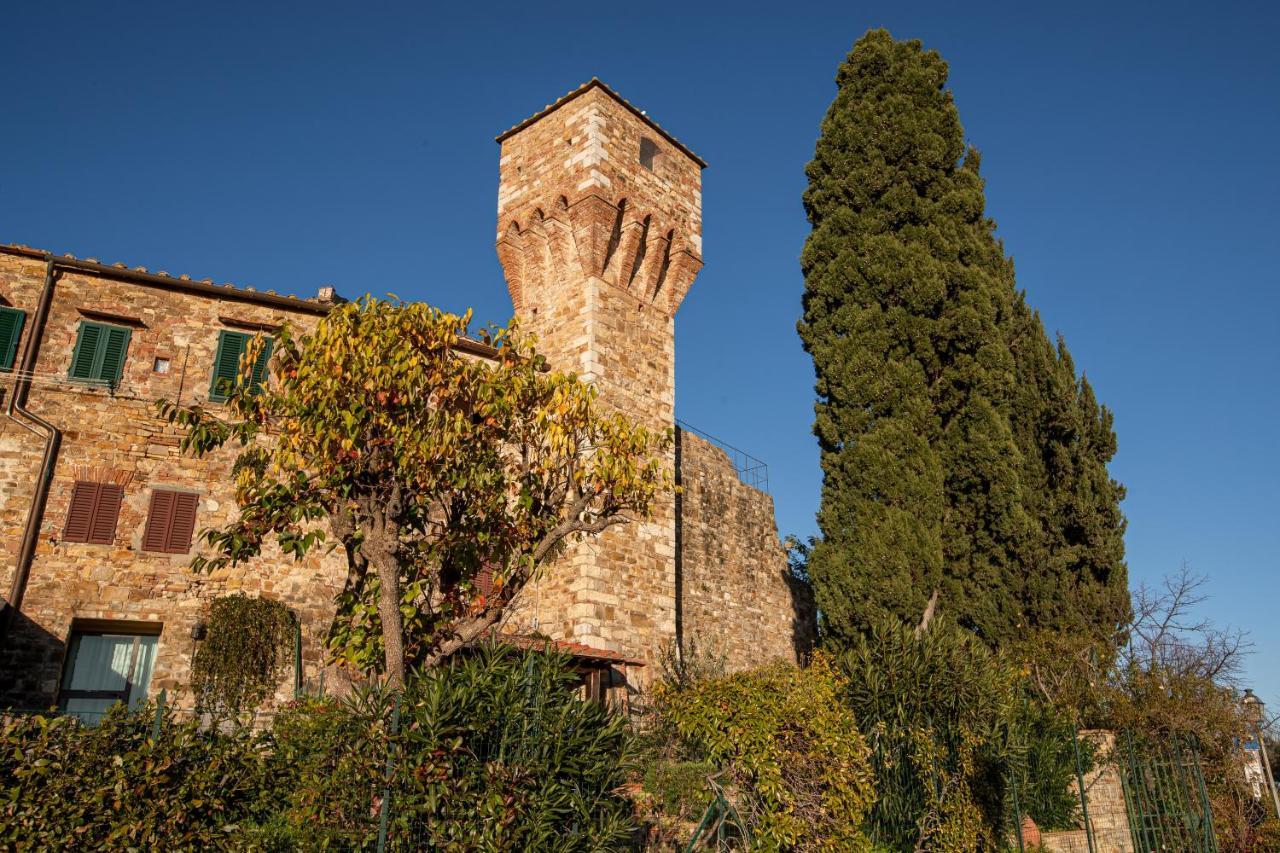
(751, 471)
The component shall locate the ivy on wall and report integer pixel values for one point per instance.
(243, 655)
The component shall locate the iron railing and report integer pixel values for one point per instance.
(751, 471)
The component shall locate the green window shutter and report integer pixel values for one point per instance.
(260, 367)
(99, 352)
(85, 353)
(226, 364)
(11, 320)
(114, 346)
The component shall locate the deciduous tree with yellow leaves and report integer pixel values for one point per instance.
(376, 433)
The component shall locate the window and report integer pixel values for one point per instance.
(99, 353)
(160, 365)
(170, 522)
(226, 364)
(95, 507)
(106, 667)
(648, 152)
(11, 320)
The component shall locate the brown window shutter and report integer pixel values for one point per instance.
(483, 583)
(159, 520)
(80, 514)
(106, 512)
(183, 523)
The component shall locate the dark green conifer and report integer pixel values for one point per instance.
(924, 416)
(1075, 577)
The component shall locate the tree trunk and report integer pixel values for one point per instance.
(389, 615)
(928, 614)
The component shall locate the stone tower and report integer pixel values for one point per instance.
(600, 238)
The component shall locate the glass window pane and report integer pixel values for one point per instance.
(90, 711)
(142, 671)
(101, 662)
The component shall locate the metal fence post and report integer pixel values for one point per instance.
(1084, 796)
(385, 816)
(1017, 813)
(155, 724)
(297, 658)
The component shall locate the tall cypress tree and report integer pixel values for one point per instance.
(1074, 572)
(930, 438)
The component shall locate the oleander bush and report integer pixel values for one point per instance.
(494, 751)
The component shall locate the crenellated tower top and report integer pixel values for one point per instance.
(591, 187)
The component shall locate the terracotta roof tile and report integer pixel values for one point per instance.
(122, 270)
(577, 650)
(248, 293)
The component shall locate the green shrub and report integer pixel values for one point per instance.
(680, 788)
(939, 711)
(242, 658)
(1045, 768)
(793, 760)
(112, 786)
(494, 752)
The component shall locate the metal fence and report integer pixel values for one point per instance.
(751, 471)
(1132, 792)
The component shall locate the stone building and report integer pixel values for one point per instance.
(599, 235)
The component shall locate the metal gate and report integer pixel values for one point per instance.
(1165, 796)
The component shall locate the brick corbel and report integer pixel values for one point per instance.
(592, 218)
(681, 272)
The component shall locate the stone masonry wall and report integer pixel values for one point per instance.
(737, 599)
(116, 436)
(599, 246)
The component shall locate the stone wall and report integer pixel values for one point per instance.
(737, 599)
(115, 436)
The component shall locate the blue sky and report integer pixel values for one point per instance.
(1129, 152)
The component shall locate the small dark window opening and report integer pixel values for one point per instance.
(648, 152)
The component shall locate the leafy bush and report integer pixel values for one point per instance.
(494, 752)
(939, 711)
(793, 759)
(243, 657)
(672, 797)
(112, 786)
(680, 788)
(1044, 767)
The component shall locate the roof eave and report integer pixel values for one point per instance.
(597, 83)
